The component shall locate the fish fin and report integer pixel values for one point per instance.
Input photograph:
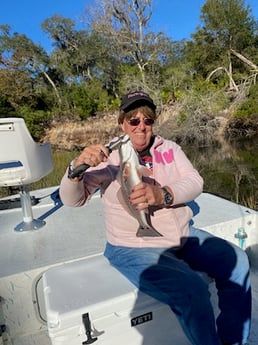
(125, 171)
(147, 232)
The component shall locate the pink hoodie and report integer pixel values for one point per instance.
(171, 168)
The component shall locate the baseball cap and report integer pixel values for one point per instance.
(136, 99)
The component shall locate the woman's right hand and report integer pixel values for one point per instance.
(92, 155)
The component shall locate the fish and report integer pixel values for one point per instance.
(130, 175)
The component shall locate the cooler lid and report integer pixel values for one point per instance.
(91, 286)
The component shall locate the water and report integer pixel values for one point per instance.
(230, 171)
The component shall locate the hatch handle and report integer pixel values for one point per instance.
(87, 325)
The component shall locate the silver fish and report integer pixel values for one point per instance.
(130, 175)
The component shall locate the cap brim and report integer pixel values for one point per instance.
(137, 103)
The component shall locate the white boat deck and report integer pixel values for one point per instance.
(74, 233)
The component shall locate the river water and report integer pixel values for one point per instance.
(230, 171)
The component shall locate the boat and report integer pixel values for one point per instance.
(56, 287)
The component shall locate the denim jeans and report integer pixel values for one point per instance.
(171, 275)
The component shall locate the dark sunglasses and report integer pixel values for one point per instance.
(135, 121)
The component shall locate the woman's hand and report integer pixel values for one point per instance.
(144, 195)
(92, 155)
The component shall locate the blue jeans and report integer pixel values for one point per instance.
(171, 276)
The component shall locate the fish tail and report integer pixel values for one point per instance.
(147, 231)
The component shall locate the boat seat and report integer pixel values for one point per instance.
(22, 162)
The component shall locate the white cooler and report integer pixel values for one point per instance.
(89, 301)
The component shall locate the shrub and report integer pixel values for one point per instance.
(250, 105)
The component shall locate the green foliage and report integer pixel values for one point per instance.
(250, 105)
(130, 78)
(36, 121)
(197, 117)
(226, 25)
(86, 100)
(248, 108)
(253, 91)
(82, 104)
(229, 23)
(6, 110)
(175, 82)
(204, 98)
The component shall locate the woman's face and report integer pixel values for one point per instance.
(140, 134)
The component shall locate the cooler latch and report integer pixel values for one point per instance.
(87, 326)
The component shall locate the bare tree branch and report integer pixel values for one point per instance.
(124, 24)
(245, 60)
(232, 82)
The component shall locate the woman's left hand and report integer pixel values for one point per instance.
(144, 195)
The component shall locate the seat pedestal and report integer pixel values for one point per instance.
(29, 223)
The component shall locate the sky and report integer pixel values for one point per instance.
(176, 18)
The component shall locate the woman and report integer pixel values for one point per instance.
(166, 266)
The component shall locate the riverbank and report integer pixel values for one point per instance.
(203, 130)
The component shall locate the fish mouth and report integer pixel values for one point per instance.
(116, 144)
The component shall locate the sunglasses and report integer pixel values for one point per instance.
(136, 121)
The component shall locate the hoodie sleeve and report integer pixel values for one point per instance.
(73, 193)
(187, 184)
(77, 193)
(174, 169)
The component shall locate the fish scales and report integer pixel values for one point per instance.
(130, 176)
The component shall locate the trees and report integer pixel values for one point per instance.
(26, 66)
(124, 24)
(82, 57)
(227, 26)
